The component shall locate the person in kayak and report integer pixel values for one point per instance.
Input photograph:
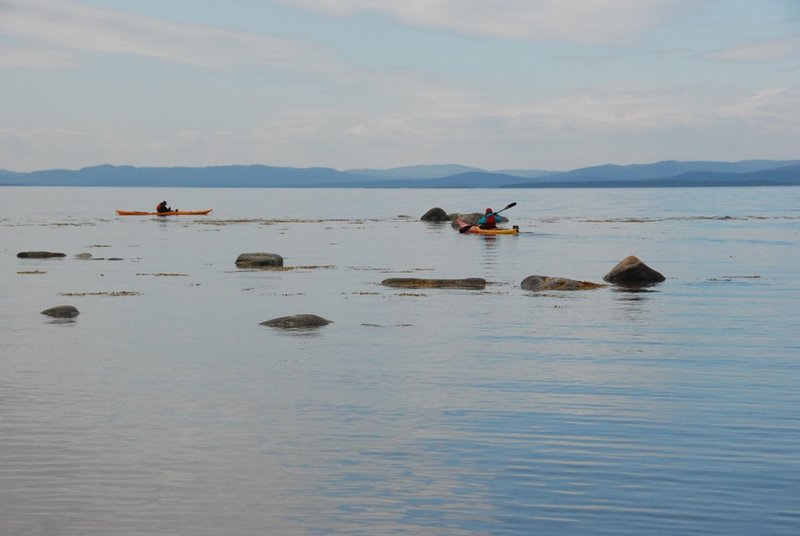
(488, 220)
(162, 207)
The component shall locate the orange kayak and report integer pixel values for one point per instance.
(173, 213)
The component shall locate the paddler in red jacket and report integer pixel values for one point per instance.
(488, 220)
(162, 207)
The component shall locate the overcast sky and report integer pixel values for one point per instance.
(538, 84)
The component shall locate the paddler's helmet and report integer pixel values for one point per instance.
(488, 211)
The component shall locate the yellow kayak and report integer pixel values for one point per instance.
(475, 229)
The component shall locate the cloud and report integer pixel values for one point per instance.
(17, 56)
(73, 27)
(581, 21)
(775, 105)
(774, 49)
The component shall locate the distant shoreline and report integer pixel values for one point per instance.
(665, 174)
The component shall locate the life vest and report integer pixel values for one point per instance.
(489, 220)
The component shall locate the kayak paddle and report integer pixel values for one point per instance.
(466, 228)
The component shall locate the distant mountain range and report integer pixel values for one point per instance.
(658, 174)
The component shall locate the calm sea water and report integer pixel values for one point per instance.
(166, 409)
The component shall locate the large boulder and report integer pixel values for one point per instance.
(259, 260)
(542, 282)
(62, 311)
(413, 282)
(297, 322)
(435, 214)
(39, 254)
(631, 271)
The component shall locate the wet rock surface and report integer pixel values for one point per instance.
(631, 271)
(62, 311)
(542, 282)
(259, 260)
(413, 282)
(297, 321)
(39, 254)
(435, 214)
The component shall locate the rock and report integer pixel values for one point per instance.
(39, 254)
(297, 321)
(435, 214)
(83, 256)
(472, 218)
(62, 311)
(412, 282)
(259, 260)
(633, 272)
(543, 282)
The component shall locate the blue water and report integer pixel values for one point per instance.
(166, 408)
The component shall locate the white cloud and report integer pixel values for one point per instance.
(68, 26)
(582, 21)
(18, 56)
(769, 105)
(775, 49)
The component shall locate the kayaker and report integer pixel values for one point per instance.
(488, 220)
(162, 207)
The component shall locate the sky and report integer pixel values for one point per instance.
(496, 84)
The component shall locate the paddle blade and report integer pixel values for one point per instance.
(465, 229)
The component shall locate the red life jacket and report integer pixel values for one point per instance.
(491, 222)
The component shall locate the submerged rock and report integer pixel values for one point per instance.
(631, 271)
(297, 321)
(543, 282)
(259, 260)
(62, 311)
(83, 256)
(413, 282)
(473, 217)
(39, 254)
(435, 214)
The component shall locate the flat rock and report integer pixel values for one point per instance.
(259, 260)
(39, 254)
(631, 271)
(297, 321)
(543, 282)
(413, 282)
(62, 311)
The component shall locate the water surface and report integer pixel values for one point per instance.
(165, 408)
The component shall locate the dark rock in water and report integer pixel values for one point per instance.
(633, 272)
(413, 282)
(259, 260)
(62, 311)
(39, 254)
(543, 282)
(297, 321)
(435, 214)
